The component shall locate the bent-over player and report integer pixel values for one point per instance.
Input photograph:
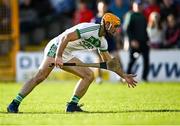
(84, 36)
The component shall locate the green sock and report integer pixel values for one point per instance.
(19, 98)
(75, 99)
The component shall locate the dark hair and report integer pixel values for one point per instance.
(104, 1)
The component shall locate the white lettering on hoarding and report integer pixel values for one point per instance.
(162, 68)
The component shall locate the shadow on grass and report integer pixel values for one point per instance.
(131, 111)
(100, 112)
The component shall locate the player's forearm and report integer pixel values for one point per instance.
(70, 37)
(105, 56)
(121, 73)
(61, 47)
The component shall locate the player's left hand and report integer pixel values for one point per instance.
(58, 62)
(130, 80)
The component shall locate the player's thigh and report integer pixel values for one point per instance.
(82, 72)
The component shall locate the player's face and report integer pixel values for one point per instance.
(113, 30)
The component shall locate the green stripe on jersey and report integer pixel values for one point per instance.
(78, 33)
(88, 29)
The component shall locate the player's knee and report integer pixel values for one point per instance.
(40, 77)
(90, 76)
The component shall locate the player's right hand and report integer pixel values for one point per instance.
(58, 62)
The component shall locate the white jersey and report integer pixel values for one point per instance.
(89, 39)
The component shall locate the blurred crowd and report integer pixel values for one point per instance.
(41, 20)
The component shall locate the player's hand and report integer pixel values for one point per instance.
(130, 80)
(58, 62)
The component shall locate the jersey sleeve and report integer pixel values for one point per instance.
(104, 45)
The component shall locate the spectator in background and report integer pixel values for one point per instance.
(44, 11)
(82, 14)
(172, 33)
(62, 16)
(152, 7)
(136, 31)
(63, 7)
(28, 16)
(102, 7)
(167, 7)
(119, 8)
(177, 3)
(43, 8)
(35, 17)
(92, 5)
(155, 31)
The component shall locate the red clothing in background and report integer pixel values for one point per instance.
(84, 15)
(151, 8)
(172, 36)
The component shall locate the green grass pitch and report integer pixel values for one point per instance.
(107, 104)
